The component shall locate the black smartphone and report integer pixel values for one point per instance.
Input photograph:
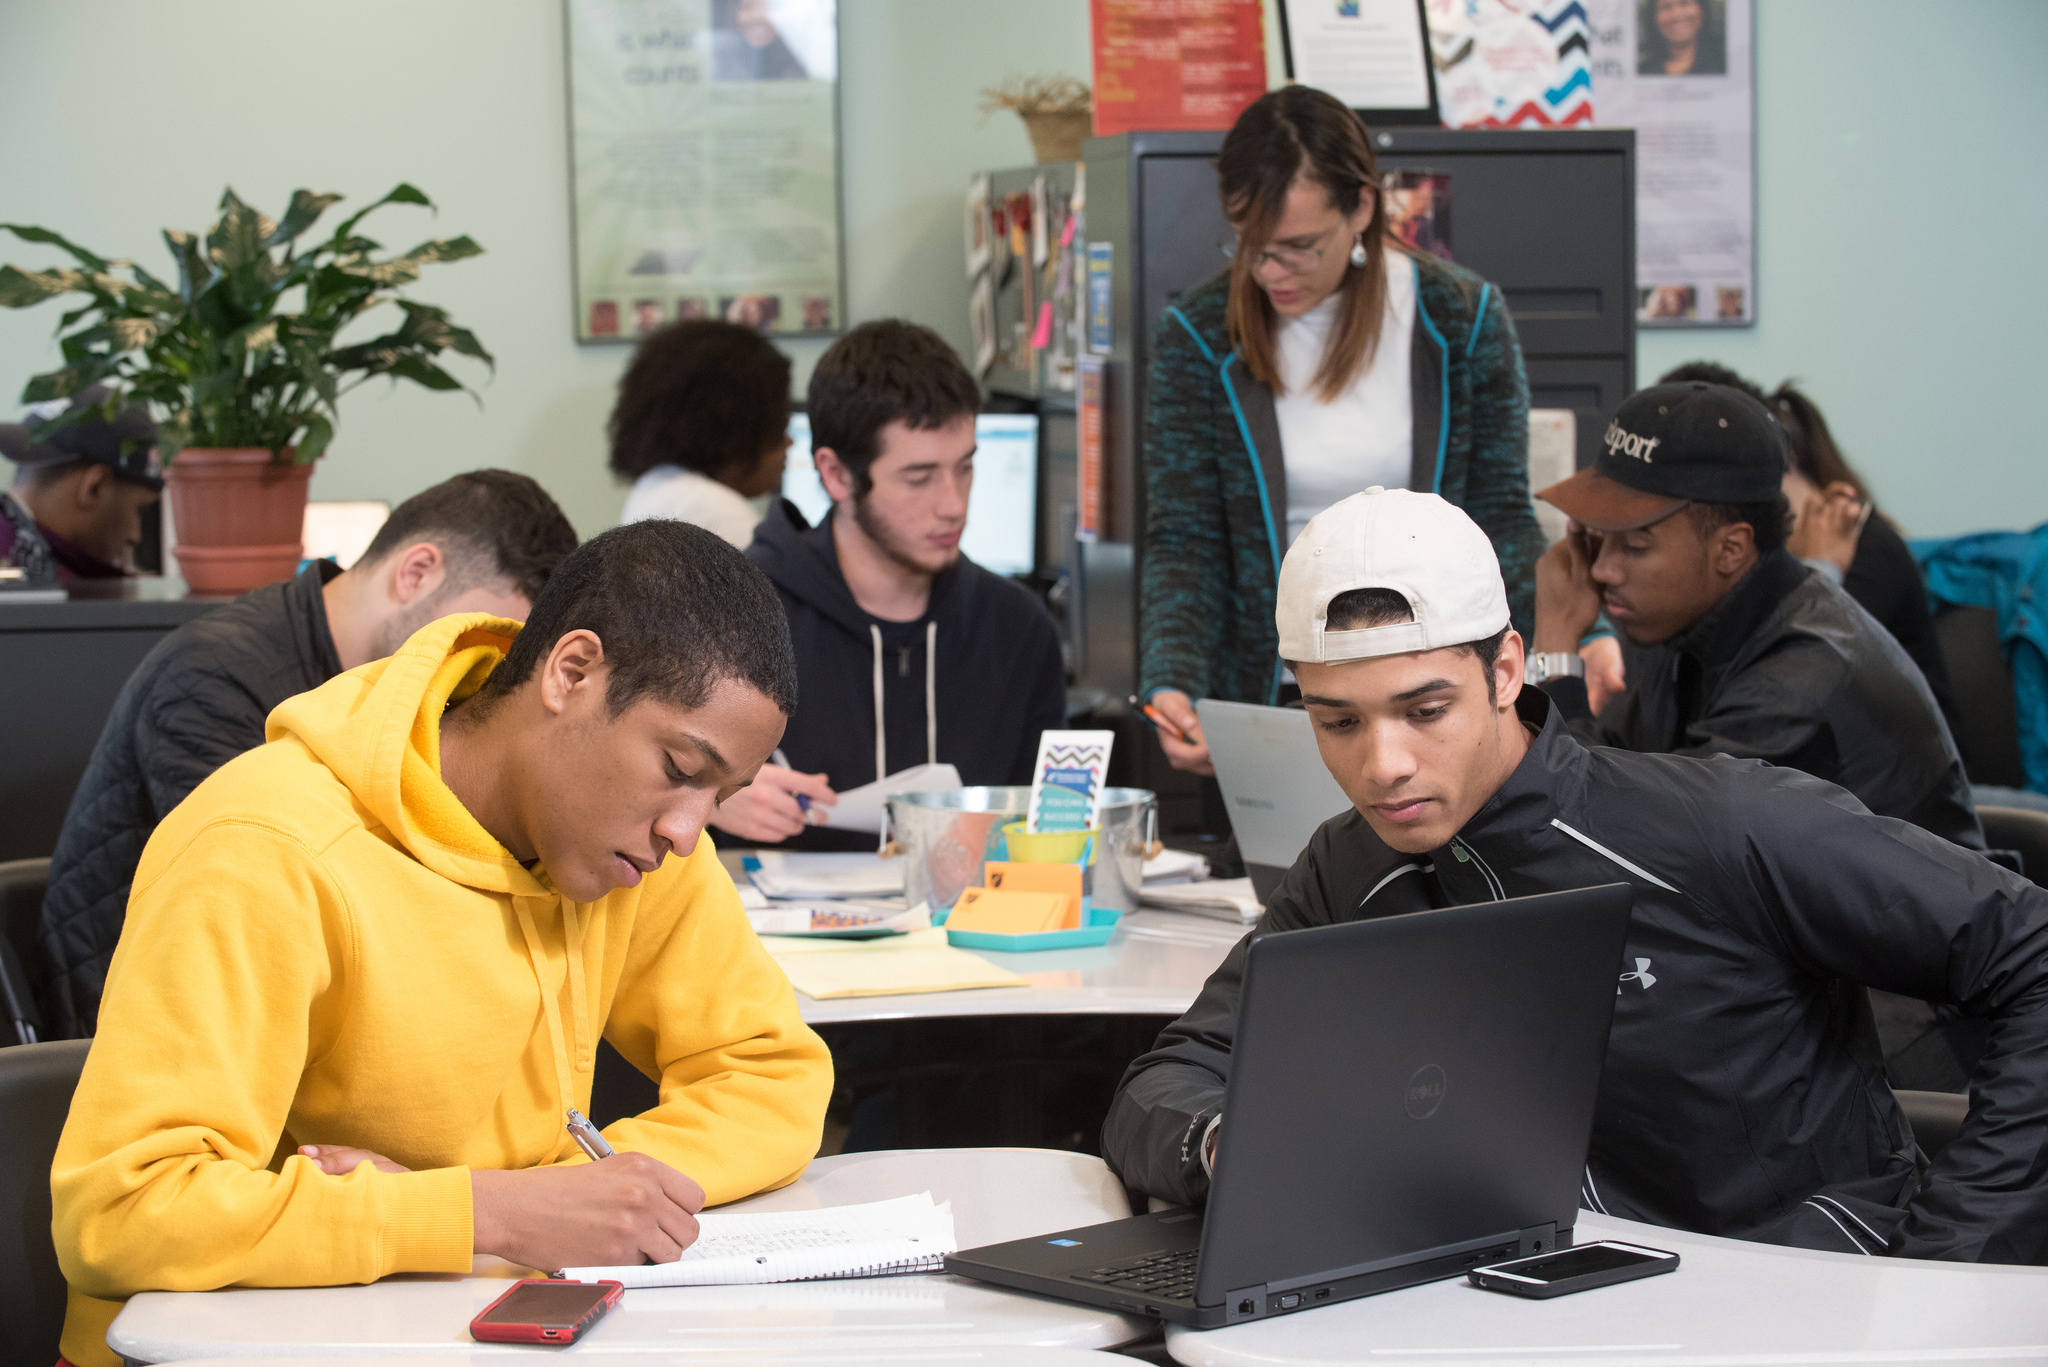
(1573, 1269)
(542, 1310)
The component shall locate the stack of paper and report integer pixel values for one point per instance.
(836, 918)
(1009, 913)
(921, 961)
(802, 876)
(1172, 866)
(909, 1234)
(1228, 899)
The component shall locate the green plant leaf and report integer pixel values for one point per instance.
(444, 249)
(44, 235)
(402, 193)
(195, 270)
(305, 207)
(260, 336)
(237, 239)
(422, 372)
(57, 384)
(132, 334)
(313, 438)
(20, 289)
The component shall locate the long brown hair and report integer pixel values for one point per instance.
(1300, 131)
(1814, 453)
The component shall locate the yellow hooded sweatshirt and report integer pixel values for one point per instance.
(323, 946)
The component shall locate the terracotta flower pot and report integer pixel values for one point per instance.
(239, 514)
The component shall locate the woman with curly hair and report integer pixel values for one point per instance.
(702, 426)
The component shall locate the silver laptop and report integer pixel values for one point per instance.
(1274, 784)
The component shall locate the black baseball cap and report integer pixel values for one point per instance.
(126, 442)
(1674, 444)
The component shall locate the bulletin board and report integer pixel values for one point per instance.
(704, 164)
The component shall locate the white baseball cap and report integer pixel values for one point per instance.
(1418, 545)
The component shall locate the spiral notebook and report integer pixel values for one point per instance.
(880, 1239)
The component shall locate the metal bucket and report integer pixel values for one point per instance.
(948, 834)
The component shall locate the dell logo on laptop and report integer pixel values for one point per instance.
(1426, 1091)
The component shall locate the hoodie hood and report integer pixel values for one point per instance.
(803, 562)
(378, 728)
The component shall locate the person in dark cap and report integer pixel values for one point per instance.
(86, 472)
(1678, 533)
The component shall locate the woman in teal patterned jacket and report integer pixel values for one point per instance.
(1439, 404)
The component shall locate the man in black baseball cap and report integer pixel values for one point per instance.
(86, 471)
(1678, 534)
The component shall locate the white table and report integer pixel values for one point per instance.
(997, 1356)
(1154, 964)
(997, 1194)
(1730, 1304)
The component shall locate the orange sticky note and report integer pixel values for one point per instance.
(1007, 913)
(1064, 879)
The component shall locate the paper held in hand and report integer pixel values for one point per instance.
(1067, 781)
(865, 808)
(879, 1239)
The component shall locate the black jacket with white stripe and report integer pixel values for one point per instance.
(1744, 1094)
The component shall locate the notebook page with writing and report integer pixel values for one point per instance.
(908, 1234)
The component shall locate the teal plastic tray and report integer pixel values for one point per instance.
(1101, 923)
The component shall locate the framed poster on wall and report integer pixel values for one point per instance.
(704, 164)
(1681, 73)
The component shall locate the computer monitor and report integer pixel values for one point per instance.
(1002, 511)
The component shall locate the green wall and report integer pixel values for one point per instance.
(120, 117)
(1900, 250)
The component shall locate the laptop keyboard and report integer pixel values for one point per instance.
(1168, 1276)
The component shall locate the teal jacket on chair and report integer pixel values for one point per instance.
(1216, 485)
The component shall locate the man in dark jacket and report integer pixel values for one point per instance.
(87, 472)
(907, 652)
(1743, 1095)
(1745, 651)
(481, 542)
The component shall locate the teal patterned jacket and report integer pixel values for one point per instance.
(1216, 487)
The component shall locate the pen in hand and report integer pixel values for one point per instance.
(587, 1137)
(1160, 721)
(803, 803)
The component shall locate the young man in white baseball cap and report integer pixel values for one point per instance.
(1744, 1094)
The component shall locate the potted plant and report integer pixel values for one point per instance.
(240, 364)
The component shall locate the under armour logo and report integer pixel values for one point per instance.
(1641, 975)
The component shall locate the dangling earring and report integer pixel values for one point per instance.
(1358, 250)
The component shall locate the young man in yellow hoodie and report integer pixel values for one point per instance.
(366, 964)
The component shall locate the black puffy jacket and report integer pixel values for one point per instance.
(1743, 1093)
(1789, 668)
(195, 702)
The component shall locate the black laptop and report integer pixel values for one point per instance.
(1409, 1097)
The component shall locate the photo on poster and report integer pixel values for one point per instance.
(1681, 37)
(1419, 209)
(981, 319)
(980, 233)
(748, 45)
(704, 161)
(761, 311)
(1667, 303)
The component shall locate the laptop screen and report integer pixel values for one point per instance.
(1002, 511)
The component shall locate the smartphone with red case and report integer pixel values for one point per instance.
(542, 1310)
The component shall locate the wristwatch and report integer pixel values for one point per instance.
(1545, 665)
